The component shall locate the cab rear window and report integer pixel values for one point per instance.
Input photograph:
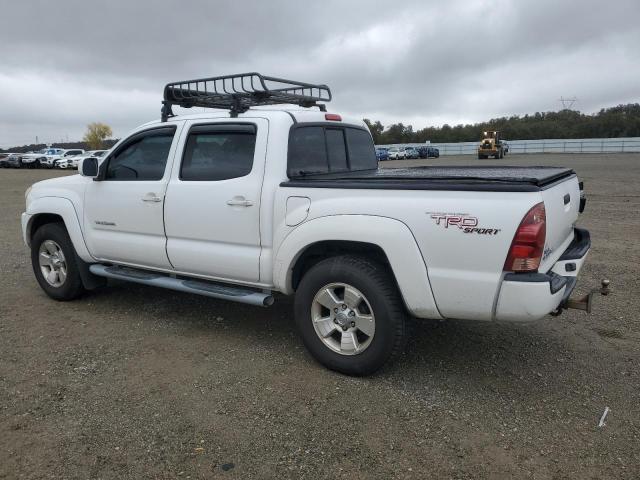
(327, 148)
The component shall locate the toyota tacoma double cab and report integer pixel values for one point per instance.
(251, 201)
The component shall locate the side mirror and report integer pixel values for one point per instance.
(89, 167)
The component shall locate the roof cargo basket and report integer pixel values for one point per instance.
(237, 93)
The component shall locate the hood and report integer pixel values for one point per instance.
(51, 184)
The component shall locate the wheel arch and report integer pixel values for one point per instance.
(320, 250)
(388, 240)
(45, 210)
(38, 220)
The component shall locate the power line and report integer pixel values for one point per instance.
(567, 103)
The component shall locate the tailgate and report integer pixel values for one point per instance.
(562, 205)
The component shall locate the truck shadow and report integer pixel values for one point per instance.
(455, 352)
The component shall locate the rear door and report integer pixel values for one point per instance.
(212, 212)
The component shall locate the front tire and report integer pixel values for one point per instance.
(350, 315)
(53, 259)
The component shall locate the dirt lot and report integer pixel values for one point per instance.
(135, 382)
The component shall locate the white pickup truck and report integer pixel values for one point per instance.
(261, 201)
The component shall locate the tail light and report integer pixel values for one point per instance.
(528, 243)
(333, 117)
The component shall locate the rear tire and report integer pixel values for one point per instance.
(350, 315)
(53, 259)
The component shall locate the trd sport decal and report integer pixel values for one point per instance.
(463, 221)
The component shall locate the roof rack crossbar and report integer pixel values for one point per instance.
(237, 93)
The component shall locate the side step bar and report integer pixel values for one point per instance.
(199, 287)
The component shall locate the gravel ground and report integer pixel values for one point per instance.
(135, 382)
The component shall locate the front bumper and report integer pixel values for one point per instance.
(525, 297)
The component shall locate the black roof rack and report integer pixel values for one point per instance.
(237, 93)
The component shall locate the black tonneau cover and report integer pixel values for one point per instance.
(485, 178)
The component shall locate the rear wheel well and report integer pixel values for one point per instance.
(331, 248)
(42, 219)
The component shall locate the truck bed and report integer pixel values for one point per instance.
(485, 178)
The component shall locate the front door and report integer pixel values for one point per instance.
(123, 215)
(212, 212)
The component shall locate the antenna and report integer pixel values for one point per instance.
(567, 103)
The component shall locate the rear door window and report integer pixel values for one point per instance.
(215, 153)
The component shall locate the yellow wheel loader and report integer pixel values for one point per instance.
(491, 145)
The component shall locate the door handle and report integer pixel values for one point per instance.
(239, 202)
(151, 197)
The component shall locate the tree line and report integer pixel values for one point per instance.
(620, 121)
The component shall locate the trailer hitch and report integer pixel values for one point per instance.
(585, 302)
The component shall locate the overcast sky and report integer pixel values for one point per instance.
(66, 63)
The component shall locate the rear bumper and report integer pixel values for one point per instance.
(525, 297)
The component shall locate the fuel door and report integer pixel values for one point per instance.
(297, 210)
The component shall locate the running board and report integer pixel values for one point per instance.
(199, 287)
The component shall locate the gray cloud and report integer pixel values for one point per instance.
(69, 62)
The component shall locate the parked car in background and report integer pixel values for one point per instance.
(411, 152)
(382, 154)
(74, 160)
(46, 156)
(95, 153)
(31, 159)
(427, 151)
(14, 161)
(396, 153)
(65, 155)
(4, 159)
(65, 163)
